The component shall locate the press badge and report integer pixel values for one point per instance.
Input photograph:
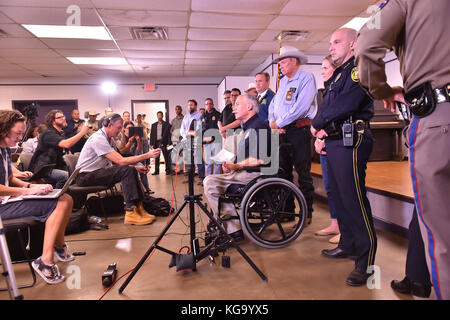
(290, 94)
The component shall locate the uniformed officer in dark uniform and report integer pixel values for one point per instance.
(418, 33)
(344, 122)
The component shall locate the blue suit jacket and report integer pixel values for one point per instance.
(264, 105)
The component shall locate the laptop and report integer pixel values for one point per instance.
(44, 172)
(56, 193)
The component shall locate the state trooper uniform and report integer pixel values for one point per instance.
(418, 33)
(347, 105)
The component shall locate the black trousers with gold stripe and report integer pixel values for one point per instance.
(347, 175)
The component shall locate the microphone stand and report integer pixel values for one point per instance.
(191, 199)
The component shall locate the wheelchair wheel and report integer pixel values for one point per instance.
(273, 213)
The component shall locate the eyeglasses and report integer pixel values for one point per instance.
(235, 95)
(60, 117)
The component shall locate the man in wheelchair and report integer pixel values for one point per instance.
(246, 165)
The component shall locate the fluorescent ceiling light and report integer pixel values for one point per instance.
(356, 23)
(100, 60)
(68, 32)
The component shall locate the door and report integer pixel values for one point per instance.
(150, 108)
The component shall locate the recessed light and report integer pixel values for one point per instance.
(97, 60)
(68, 32)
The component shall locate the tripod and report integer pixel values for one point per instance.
(8, 271)
(190, 199)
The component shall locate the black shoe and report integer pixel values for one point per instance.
(336, 253)
(237, 236)
(155, 173)
(358, 278)
(407, 286)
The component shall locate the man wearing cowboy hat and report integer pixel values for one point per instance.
(92, 123)
(290, 112)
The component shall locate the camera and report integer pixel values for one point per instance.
(347, 134)
(109, 275)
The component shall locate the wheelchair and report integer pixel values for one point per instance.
(272, 211)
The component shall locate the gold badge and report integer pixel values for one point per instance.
(355, 76)
(290, 93)
(213, 118)
(264, 101)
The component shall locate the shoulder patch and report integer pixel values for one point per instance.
(354, 75)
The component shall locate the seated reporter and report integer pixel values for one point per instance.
(246, 110)
(100, 164)
(54, 212)
(51, 148)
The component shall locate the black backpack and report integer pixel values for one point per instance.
(78, 222)
(157, 206)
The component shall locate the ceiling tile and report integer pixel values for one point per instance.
(315, 35)
(21, 43)
(156, 61)
(49, 16)
(7, 52)
(79, 44)
(15, 31)
(193, 67)
(111, 53)
(123, 33)
(308, 23)
(152, 68)
(143, 18)
(39, 60)
(15, 74)
(235, 21)
(151, 45)
(212, 61)
(4, 18)
(213, 54)
(344, 8)
(47, 3)
(218, 45)
(175, 5)
(154, 54)
(223, 34)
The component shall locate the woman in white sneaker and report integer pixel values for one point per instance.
(54, 212)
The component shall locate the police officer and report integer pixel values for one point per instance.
(343, 121)
(290, 112)
(418, 33)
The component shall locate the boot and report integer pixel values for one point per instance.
(143, 213)
(134, 217)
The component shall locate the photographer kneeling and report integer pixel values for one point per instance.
(100, 164)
